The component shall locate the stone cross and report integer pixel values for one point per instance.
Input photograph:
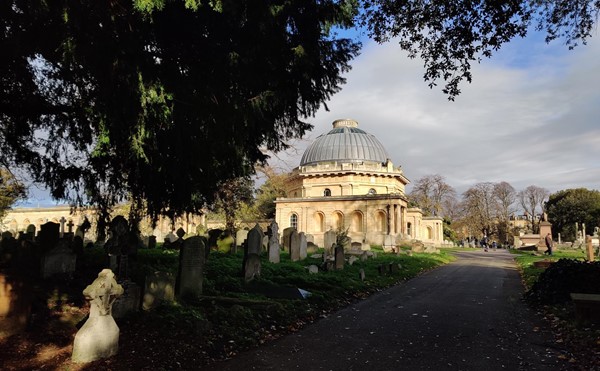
(62, 225)
(70, 226)
(99, 336)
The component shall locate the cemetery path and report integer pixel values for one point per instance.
(467, 315)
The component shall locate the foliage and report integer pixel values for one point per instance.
(451, 35)
(449, 233)
(564, 277)
(531, 200)
(161, 101)
(230, 196)
(273, 187)
(570, 206)
(11, 191)
(430, 193)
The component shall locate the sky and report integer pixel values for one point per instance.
(530, 116)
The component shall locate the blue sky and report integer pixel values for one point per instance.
(530, 116)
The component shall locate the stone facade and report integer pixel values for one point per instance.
(348, 183)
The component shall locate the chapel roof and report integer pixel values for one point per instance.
(345, 143)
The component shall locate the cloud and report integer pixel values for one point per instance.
(530, 117)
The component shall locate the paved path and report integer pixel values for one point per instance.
(467, 315)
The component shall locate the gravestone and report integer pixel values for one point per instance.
(294, 246)
(286, 238)
(172, 237)
(310, 238)
(152, 242)
(61, 260)
(159, 287)
(356, 246)
(99, 336)
(274, 249)
(252, 267)
(339, 257)
(254, 240)
(191, 268)
(361, 274)
(30, 232)
(303, 246)
(313, 269)
(364, 256)
(389, 243)
(118, 247)
(16, 296)
(311, 248)
(48, 236)
(330, 238)
(226, 243)
(129, 302)
(77, 245)
(352, 259)
(62, 226)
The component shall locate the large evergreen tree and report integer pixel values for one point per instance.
(160, 100)
(570, 206)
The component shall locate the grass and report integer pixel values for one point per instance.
(530, 273)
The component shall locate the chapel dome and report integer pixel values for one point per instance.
(347, 143)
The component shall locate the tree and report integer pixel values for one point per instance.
(505, 196)
(11, 191)
(273, 187)
(161, 101)
(230, 197)
(451, 35)
(570, 206)
(430, 193)
(479, 207)
(531, 200)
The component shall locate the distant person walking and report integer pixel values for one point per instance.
(549, 243)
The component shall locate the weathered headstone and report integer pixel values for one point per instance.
(16, 296)
(361, 274)
(99, 336)
(118, 246)
(61, 260)
(30, 232)
(294, 246)
(286, 238)
(254, 240)
(152, 242)
(311, 248)
(48, 236)
(159, 287)
(330, 238)
(274, 248)
(313, 269)
(364, 256)
(191, 268)
(252, 266)
(129, 302)
(352, 259)
(339, 257)
(62, 226)
(302, 242)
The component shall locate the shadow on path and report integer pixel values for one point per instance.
(467, 315)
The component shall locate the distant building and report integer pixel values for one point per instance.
(346, 180)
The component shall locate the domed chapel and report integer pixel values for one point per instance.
(346, 180)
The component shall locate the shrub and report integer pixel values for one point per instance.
(564, 277)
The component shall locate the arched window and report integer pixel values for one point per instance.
(294, 221)
(320, 222)
(357, 222)
(372, 191)
(327, 192)
(409, 229)
(381, 221)
(338, 220)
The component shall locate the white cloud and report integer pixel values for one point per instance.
(530, 117)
